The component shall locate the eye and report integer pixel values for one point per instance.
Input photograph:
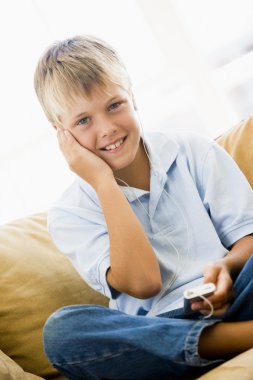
(114, 106)
(83, 121)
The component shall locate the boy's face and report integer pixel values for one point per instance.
(106, 124)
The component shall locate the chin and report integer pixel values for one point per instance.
(118, 168)
(115, 166)
(121, 163)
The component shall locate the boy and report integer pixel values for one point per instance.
(146, 219)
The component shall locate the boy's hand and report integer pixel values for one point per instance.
(82, 161)
(217, 272)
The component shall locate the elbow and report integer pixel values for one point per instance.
(150, 290)
(141, 288)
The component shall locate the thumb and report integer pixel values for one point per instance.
(210, 274)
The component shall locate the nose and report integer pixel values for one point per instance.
(107, 130)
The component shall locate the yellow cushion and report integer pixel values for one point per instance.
(238, 141)
(35, 280)
(240, 367)
(9, 370)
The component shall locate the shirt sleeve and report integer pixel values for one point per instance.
(227, 196)
(81, 234)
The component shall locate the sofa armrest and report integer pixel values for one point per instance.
(9, 370)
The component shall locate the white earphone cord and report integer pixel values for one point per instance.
(210, 305)
(175, 274)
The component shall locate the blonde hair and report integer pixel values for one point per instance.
(74, 67)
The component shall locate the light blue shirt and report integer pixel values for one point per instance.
(199, 204)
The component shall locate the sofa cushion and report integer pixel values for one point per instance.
(9, 370)
(238, 142)
(240, 367)
(35, 280)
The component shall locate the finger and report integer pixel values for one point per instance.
(65, 134)
(198, 305)
(224, 289)
(204, 305)
(68, 135)
(205, 309)
(61, 135)
(221, 298)
(224, 283)
(217, 301)
(66, 140)
(221, 311)
(216, 312)
(211, 273)
(71, 140)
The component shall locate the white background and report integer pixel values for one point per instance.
(191, 63)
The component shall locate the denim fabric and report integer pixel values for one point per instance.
(242, 307)
(92, 342)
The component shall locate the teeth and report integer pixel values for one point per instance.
(114, 146)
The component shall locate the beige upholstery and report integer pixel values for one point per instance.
(35, 280)
(238, 141)
(9, 370)
(238, 368)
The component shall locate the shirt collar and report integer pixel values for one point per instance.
(162, 151)
(132, 193)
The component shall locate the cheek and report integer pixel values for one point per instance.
(131, 122)
(85, 139)
(135, 128)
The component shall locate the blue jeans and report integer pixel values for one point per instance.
(93, 342)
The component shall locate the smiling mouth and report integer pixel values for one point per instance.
(111, 147)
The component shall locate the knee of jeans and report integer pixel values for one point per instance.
(54, 333)
(51, 334)
(60, 329)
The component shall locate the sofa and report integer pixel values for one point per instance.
(36, 279)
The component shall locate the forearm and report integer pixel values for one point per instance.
(239, 254)
(134, 266)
